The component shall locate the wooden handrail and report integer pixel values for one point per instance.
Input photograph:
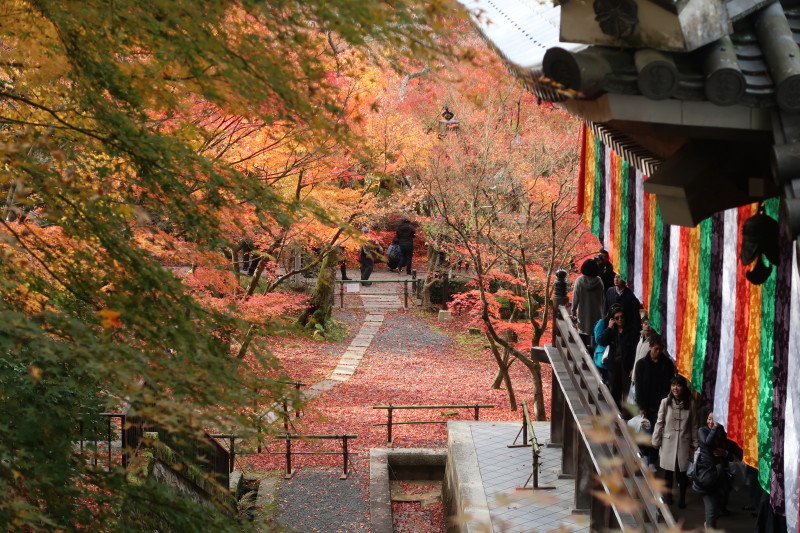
(596, 400)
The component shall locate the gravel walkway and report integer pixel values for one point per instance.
(316, 500)
(404, 334)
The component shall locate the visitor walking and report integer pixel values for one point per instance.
(405, 239)
(588, 301)
(368, 254)
(643, 348)
(606, 268)
(393, 255)
(622, 295)
(651, 382)
(621, 340)
(652, 378)
(600, 349)
(675, 437)
(711, 470)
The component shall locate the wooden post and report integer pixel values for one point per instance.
(298, 264)
(232, 454)
(559, 299)
(583, 477)
(557, 412)
(568, 451)
(344, 457)
(288, 458)
(389, 424)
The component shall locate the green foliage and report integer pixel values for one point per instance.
(98, 145)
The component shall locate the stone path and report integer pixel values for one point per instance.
(350, 358)
(376, 305)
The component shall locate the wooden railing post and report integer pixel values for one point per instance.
(558, 412)
(344, 457)
(559, 298)
(584, 474)
(389, 424)
(232, 455)
(568, 451)
(288, 458)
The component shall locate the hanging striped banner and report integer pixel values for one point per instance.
(738, 343)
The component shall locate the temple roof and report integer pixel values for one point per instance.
(710, 88)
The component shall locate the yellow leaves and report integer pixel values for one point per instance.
(621, 501)
(109, 318)
(35, 372)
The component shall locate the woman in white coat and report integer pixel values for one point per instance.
(675, 436)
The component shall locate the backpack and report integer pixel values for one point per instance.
(394, 254)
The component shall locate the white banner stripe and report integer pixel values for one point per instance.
(672, 289)
(728, 304)
(639, 241)
(791, 441)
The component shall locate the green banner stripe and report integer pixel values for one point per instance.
(598, 186)
(767, 366)
(704, 282)
(624, 222)
(655, 288)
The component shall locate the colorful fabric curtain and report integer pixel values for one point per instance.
(737, 343)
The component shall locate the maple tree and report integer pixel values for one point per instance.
(123, 133)
(498, 192)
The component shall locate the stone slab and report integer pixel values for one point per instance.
(360, 343)
(266, 492)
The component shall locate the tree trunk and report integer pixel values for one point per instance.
(430, 277)
(502, 373)
(318, 312)
(539, 413)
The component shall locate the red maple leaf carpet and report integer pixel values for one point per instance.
(412, 360)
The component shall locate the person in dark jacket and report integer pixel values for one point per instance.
(405, 239)
(370, 252)
(606, 268)
(713, 456)
(599, 349)
(621, 295)
(588, 301)
(622, 340)
(651, 376)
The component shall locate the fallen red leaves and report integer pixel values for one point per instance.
(435, 375)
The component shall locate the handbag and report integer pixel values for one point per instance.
(692, 469)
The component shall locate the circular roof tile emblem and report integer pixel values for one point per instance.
(617, 18)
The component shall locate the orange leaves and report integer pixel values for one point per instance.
(109, 318)
(35, 373)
